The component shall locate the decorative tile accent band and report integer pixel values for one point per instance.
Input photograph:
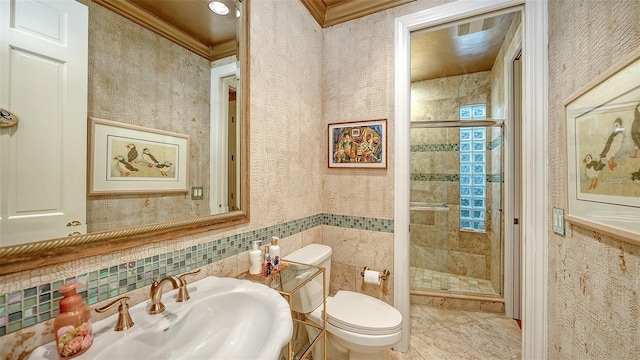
(436, 177)
(491, 178)
(451, 147)
(27, 307)
(435, 147)
(357, 222)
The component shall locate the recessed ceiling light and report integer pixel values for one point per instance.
(218, 8)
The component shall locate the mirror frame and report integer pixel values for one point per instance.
(56, 251)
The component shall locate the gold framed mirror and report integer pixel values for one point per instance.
(32, 255)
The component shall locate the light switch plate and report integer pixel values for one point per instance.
(197, 193)
(559, 226)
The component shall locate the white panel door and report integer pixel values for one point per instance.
(43, 80)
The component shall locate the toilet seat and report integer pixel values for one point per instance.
(363, 342)
(362, 314)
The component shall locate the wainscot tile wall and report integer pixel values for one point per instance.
(26, 307)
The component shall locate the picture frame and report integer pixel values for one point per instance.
(130, 159)
(603, 155)
(358, 144)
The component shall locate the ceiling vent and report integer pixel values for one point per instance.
(476, 26)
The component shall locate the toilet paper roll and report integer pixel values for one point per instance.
(372, 277)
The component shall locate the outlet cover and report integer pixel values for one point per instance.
(197, 193)
(559, 222)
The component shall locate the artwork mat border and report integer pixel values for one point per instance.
(360, 123)
(580, 123)
(600, 217)
(96, 183)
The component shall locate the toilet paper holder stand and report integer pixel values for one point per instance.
(383, 275)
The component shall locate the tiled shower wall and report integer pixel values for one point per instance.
(437, 242)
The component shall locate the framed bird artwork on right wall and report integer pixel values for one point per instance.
(603, 152)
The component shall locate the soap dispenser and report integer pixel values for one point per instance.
(275, 252)
(72, 327)
(255, 259)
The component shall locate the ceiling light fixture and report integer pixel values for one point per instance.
(218, 8)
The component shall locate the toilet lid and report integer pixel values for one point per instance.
(363, 314)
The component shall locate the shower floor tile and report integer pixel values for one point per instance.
(424, 279)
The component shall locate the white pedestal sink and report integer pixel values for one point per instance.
(225, 318)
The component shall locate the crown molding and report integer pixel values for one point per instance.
(157, 25)
(346, 10)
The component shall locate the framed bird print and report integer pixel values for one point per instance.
(129, 159)
(603, 152)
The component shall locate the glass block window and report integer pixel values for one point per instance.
(473, 169)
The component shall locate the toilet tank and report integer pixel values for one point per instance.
(310, 296)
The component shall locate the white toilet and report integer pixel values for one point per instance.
(359, 326)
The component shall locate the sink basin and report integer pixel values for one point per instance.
(225, 318)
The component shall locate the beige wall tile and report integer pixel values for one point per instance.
(343, 277)
(354, 249)
(472, 265)
(383, 291)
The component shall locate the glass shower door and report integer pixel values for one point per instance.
(456, 242)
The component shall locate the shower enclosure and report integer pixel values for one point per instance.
(456, 207)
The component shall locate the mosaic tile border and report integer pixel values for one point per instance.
(27, 307)
(357, 222)
(490, 178)
(451, 147)
(435, 177)
(435, 147)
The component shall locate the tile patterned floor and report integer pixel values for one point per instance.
(424, 279)
(445, 334)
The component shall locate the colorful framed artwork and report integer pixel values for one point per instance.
(128, 159)
(360, 144)
(603, 155)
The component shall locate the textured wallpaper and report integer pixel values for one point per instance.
(137, 77)
(594, 280)
(286, 112)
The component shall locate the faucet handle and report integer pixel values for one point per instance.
(183, 294)
(124, 319)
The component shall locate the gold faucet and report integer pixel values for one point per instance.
(124, 319)
(156, 293)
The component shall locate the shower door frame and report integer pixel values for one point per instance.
(534, 153)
